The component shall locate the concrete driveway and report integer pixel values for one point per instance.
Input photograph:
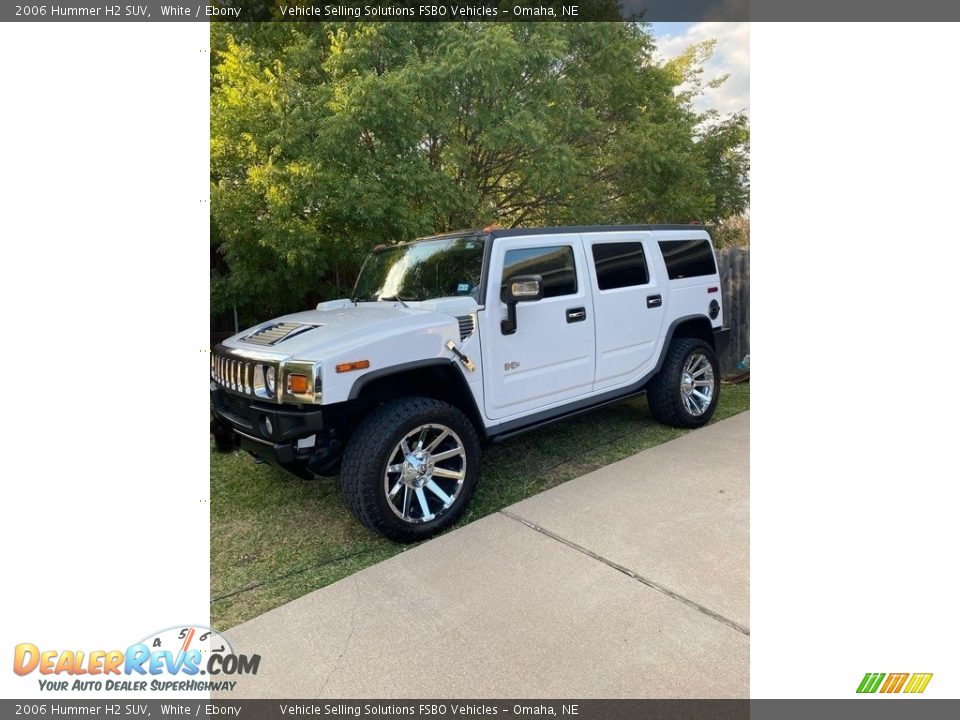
(631, 581)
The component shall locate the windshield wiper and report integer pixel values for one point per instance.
(396, 298)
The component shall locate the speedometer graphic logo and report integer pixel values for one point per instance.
(179, 658)
(181, 639)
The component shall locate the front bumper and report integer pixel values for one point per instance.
(269, 432)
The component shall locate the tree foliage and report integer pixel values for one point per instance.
(327, 139)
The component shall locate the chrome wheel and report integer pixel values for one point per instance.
(425, 473)
(697, 384)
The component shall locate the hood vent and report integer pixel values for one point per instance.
(277, 333)
(468, 323)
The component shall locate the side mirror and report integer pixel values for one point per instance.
(519, 288)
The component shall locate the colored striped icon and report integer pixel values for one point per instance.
(870, 682)
(894, 682)
(918, 683)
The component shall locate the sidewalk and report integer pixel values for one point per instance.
(631, 581)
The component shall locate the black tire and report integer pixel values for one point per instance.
(664, 393)
(371, 448)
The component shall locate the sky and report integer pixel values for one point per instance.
(732, 56)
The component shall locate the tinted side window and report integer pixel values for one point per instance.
(688, 258)
(554, 264)
(620, 265)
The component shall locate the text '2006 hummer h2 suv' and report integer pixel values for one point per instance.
(467, 337)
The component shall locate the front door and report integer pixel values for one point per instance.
(549, 359)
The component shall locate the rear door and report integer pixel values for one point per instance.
(550, 358)
(629, 301)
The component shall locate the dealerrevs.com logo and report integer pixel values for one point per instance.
(182, 659)
(910, 683)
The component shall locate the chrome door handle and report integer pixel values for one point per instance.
(576, 315)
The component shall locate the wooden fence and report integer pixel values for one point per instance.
(734, 266)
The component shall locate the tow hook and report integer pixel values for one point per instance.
(467, 362)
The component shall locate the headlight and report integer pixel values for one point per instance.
(271, 380)
(260, 382)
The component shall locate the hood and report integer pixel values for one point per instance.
(338, 326)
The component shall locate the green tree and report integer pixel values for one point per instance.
(330, 138)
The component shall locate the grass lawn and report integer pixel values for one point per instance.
(274, 537)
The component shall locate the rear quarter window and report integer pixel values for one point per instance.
(688, 258)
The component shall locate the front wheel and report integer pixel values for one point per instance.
(686, 390)
(410, 468)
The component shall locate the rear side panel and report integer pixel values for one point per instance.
(686, 262)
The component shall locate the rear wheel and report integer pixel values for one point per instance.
(410, 468)
(686, 390)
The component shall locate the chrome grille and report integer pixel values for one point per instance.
(235, 373)
(468, 324)
(277, 333)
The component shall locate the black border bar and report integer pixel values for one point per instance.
(872, 708)
(480, 11)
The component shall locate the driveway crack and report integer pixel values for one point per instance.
(346, 642)
(630, 573)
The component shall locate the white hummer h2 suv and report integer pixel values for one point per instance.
(459, 339)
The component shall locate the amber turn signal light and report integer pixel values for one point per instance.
(358, 365)
(297, 384)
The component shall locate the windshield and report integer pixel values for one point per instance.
(425, 270)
